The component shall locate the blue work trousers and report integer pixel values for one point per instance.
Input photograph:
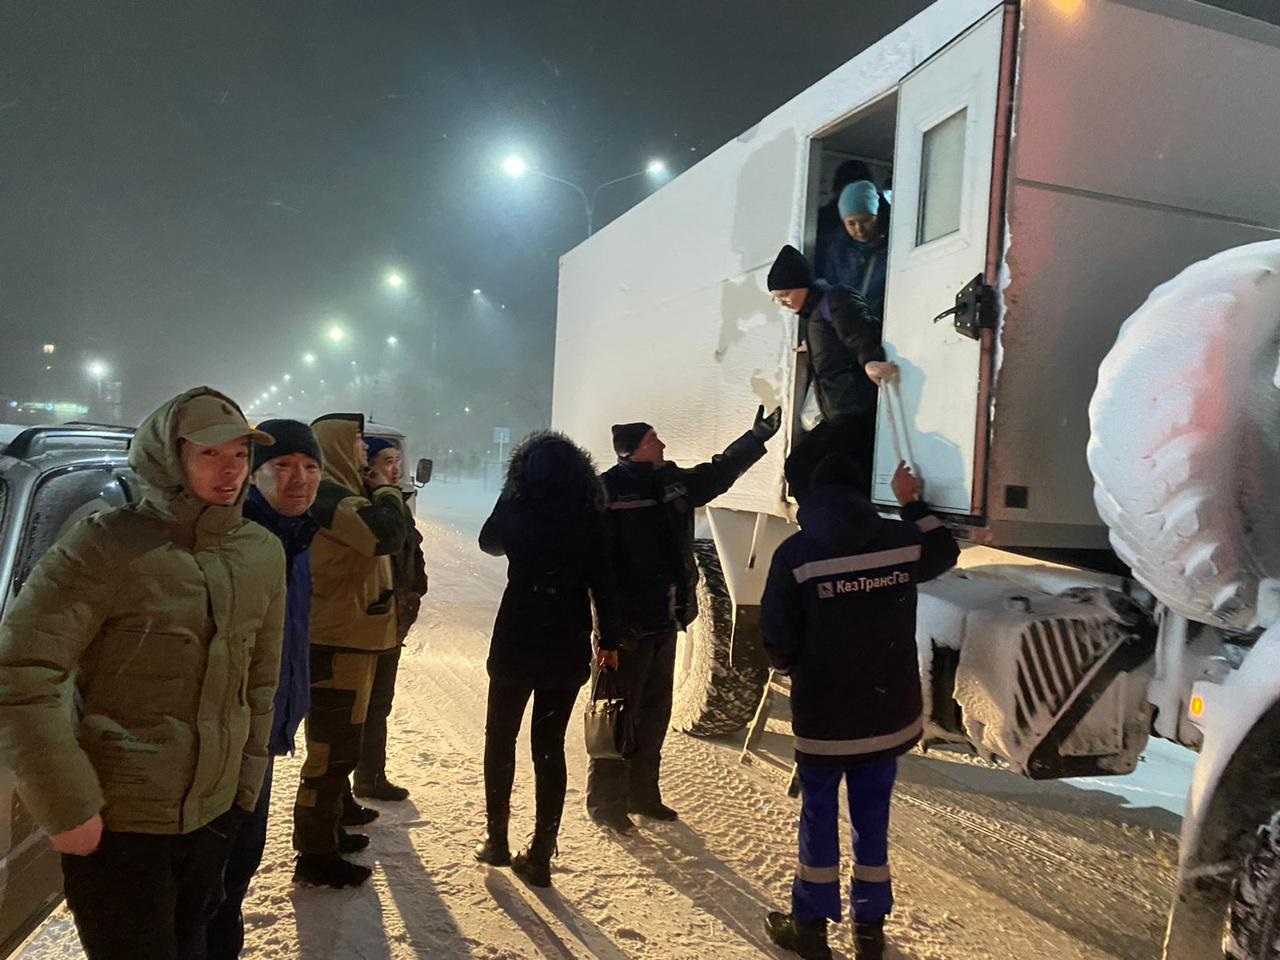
(816, 890)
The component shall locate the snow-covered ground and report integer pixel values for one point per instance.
(986, 865)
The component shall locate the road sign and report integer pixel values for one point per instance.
(502, 436)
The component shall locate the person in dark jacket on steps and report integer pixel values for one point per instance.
(409, 580)
(846, 365)
(286, 476)
(549, 523)
(839, 615)
(650, 516)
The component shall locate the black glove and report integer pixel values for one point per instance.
(766, 427)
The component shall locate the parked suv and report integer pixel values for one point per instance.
(50, 477)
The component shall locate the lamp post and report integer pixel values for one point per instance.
(516, 167)
(399, 285)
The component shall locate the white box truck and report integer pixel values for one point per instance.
(1052, 161)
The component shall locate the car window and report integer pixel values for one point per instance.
(60, 501)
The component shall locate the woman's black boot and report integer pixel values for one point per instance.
(533, 864)
(495, 850)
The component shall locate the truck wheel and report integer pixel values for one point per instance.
(713, 694)
(1184, 451)
(1253, 922)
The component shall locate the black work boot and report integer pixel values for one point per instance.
(494, 851)
(354, 815)
(380, 788)
(533, 864)
(614, 820)
(805, 937)
(654, 810)
(868, 940)
(351, 842)
(328, 870)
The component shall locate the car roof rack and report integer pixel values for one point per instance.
(68, 436)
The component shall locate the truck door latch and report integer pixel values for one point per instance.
(975, 309)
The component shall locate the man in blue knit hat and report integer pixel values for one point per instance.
(286, 476)
(858, 256)
(409, 579)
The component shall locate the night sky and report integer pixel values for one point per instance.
(196, 191)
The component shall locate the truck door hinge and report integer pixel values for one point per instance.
(975, 309)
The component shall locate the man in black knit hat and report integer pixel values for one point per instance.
(846, 365)
(650, 514)
(286, 477)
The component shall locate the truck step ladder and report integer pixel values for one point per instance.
(778, 684)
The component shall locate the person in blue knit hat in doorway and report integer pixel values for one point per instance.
(858, 257)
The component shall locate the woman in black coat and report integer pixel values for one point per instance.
(549, 523)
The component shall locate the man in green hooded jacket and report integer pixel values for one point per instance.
(167, 619)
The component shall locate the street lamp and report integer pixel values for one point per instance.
(516, 167)
(394, 279)
(476, 292)
(97, 369)
(336, 334)
(309, 358)
(392, 341)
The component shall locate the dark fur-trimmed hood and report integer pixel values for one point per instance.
(570, 473)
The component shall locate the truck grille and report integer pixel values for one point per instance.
(1054, 658)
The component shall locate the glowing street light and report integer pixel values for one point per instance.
(274, 388)
(96, 369)
(394, 279)
(392, 341)
(515, 166)
(476, 292)
(336, 334)
(287, 378)
(309, 358)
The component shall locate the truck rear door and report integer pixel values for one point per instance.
(940, 240)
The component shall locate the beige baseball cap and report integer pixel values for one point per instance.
(210, 421)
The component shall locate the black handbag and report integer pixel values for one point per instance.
(608, 721)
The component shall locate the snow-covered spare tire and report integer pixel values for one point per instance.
(1185, 445)
(1253, 924)
(714, 694)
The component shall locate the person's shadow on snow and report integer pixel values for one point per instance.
(337, 924)
(512, 897)
(678, 854)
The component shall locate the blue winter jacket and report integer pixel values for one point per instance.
(293, 695)
(839, 614)
(845, 262)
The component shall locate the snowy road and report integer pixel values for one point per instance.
(985, 865)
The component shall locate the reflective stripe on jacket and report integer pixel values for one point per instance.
(839, 614)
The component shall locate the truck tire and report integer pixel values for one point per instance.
(1253, 921)
(1184, 449)
(713, 693)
